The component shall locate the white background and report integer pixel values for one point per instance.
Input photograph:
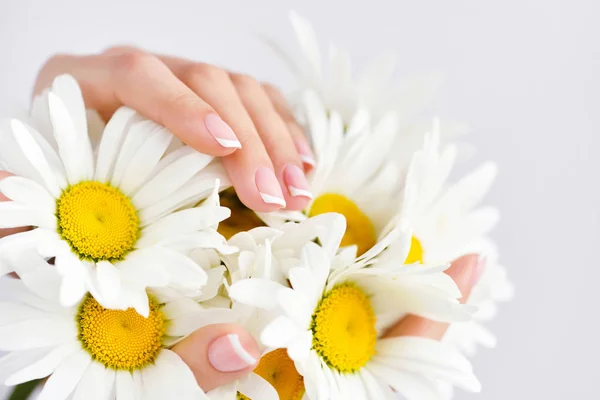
(524, 73)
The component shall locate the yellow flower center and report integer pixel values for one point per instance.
(97, 220)
(343, 326)
(278, 369)
(120, 339)
(359, 229)
(242, 218)
(415, 254)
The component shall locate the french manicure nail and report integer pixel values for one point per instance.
(222, 132)
(479, 268)
(226, 354)
(296, 181)
(305, 153)
(268, 186)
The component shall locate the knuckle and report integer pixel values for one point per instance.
(203, 72)
(55, 65)
(120, 49)
(244, 82)
(131, 62)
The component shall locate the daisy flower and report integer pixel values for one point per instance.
(88, 351)
(333, 317)
(111, 217)
(265, 255)
(445, 220)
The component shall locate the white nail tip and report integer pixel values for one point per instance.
(307, 160)
(267, 198)
(229, 144)
(234, 339)
(295, 192)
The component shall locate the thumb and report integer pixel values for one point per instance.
(219, 354)
(465, 272)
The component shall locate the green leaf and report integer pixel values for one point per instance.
(24, 390)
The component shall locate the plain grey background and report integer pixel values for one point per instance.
(523, 73)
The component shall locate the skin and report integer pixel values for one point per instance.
(178, 94)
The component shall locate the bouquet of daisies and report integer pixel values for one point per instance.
(137, 241)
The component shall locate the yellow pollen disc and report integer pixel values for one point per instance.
(343, 327)
(359, 229)
(415, 254)
(120, 339)
(97, 220)
(278, 369)
(242, 218)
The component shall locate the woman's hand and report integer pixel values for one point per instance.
(214, 111)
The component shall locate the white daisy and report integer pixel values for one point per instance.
(444, 218)
(113, 221)
(333, 317)
(90, 352)
(493, 287)
(265, 255)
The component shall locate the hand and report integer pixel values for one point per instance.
(210, 109)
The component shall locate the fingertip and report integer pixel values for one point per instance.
(464, 272)
(233, 352)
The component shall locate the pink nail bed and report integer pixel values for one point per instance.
(268, 187)
(222, 132)
(227, 354)
(296, 182)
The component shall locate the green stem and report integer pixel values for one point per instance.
(24, 390)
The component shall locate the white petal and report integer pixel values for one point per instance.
(376, 389)
(279, 333)
(144, 160)
(296, 306)
(44, 366)
(36, 333)
(169, 377)
(93, 384)
(170, 179)
(15, 361)
(17, 312)
(181, 223)
(308, 42)
(255, 387)
(64, 380)
(34, 154)
(109, 281)
(191, 321)
(136, 297)
(261, 293)
(111, 142)
(16, 291)
(140, 268)
(69, 92)
(74, 279)
(74, 147)
(126, 388)
(318, 262)
(14, 215)
(27, 192)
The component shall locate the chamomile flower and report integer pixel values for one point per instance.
(333, 317)
(445, 219)
(265, 256)
(88, 351)
(111, 217)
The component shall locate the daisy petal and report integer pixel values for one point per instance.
(66, 377)
(111, 142)
(92, 385)
(170, 179)
(125, 386)
(14, 215)
(29, 193)
(168, 367)
(74, 146)
(255, 292)
(37, 333)
(279, 333)
(15, 361)
(109, 281)
(68, 91)
(34, 154)
(255, 387)
(44, 366)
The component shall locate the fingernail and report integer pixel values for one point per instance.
(296, 181)
(305, 153)
(226, 354)
(479, 268)
(268, 186)
(222, 132)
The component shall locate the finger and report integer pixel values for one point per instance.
(465, 271)
(250, 169)
(298, 135)
(276, 139)
(219, 354)
(144, 83)
(9, 231)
